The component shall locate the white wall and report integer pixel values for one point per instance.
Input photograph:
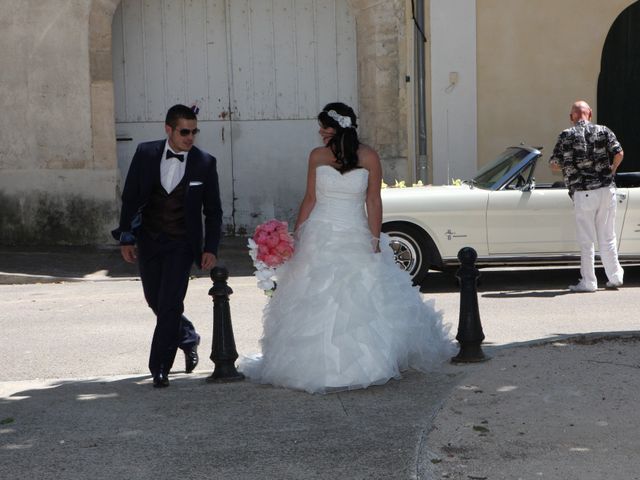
(454, 105)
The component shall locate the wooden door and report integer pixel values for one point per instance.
(259, 70)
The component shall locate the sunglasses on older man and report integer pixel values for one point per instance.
(185, 131)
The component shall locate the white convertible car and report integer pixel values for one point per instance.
(503, 214)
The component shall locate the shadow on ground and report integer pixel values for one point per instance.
(124, 428)
(67, 262)
(81, 262)
(523, 282)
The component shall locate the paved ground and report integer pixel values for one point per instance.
(565, 410)
(550, 403)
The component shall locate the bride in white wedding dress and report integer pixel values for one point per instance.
(344, 316)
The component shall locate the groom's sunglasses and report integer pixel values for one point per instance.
(185, 131)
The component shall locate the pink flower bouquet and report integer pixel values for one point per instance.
(270, 247)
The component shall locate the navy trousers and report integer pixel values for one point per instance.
(165, 265)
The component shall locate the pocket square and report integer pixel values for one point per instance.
(195, 183)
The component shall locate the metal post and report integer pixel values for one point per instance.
(421, 93)
(223, 345)
(470, 334)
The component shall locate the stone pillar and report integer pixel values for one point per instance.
(382, 89)
(102, 96)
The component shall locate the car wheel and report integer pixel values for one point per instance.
(410, 249)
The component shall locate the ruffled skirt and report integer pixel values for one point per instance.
(343, 317)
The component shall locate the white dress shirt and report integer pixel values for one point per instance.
(171, 169)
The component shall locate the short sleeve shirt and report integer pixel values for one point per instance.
(584, 152)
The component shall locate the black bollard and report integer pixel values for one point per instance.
(223, 346)
(470, 334)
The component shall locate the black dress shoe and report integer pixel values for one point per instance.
(191, 358)
(160, 379)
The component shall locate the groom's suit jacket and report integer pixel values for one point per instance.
(202, 196)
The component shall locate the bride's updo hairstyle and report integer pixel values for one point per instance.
(344, 143)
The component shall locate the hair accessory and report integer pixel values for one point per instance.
(343, 121)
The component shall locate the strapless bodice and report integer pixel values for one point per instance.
(340, 197)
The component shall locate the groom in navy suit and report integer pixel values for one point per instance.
(170, 185)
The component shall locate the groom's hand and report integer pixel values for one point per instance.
(129, 253)
(208, 261)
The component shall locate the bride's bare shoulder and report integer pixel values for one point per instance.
(320, 156)
(367, 156)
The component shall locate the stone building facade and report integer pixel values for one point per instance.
(499, 72)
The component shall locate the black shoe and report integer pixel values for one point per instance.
(160, 379)
(191, 358)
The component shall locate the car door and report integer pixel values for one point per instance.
(539, 221)
(627, 223)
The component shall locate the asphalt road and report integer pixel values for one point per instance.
(95, 328)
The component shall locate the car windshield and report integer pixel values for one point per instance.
(491, 173)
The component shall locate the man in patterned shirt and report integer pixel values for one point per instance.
(583, 153)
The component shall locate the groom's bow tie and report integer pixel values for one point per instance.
(179, 156)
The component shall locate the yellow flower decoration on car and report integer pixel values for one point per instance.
(384, 185)
(400, 184)
(456, 182)
(419, 184)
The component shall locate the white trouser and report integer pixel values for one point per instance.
(595, 221)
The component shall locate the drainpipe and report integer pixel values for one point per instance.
(420, 42)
